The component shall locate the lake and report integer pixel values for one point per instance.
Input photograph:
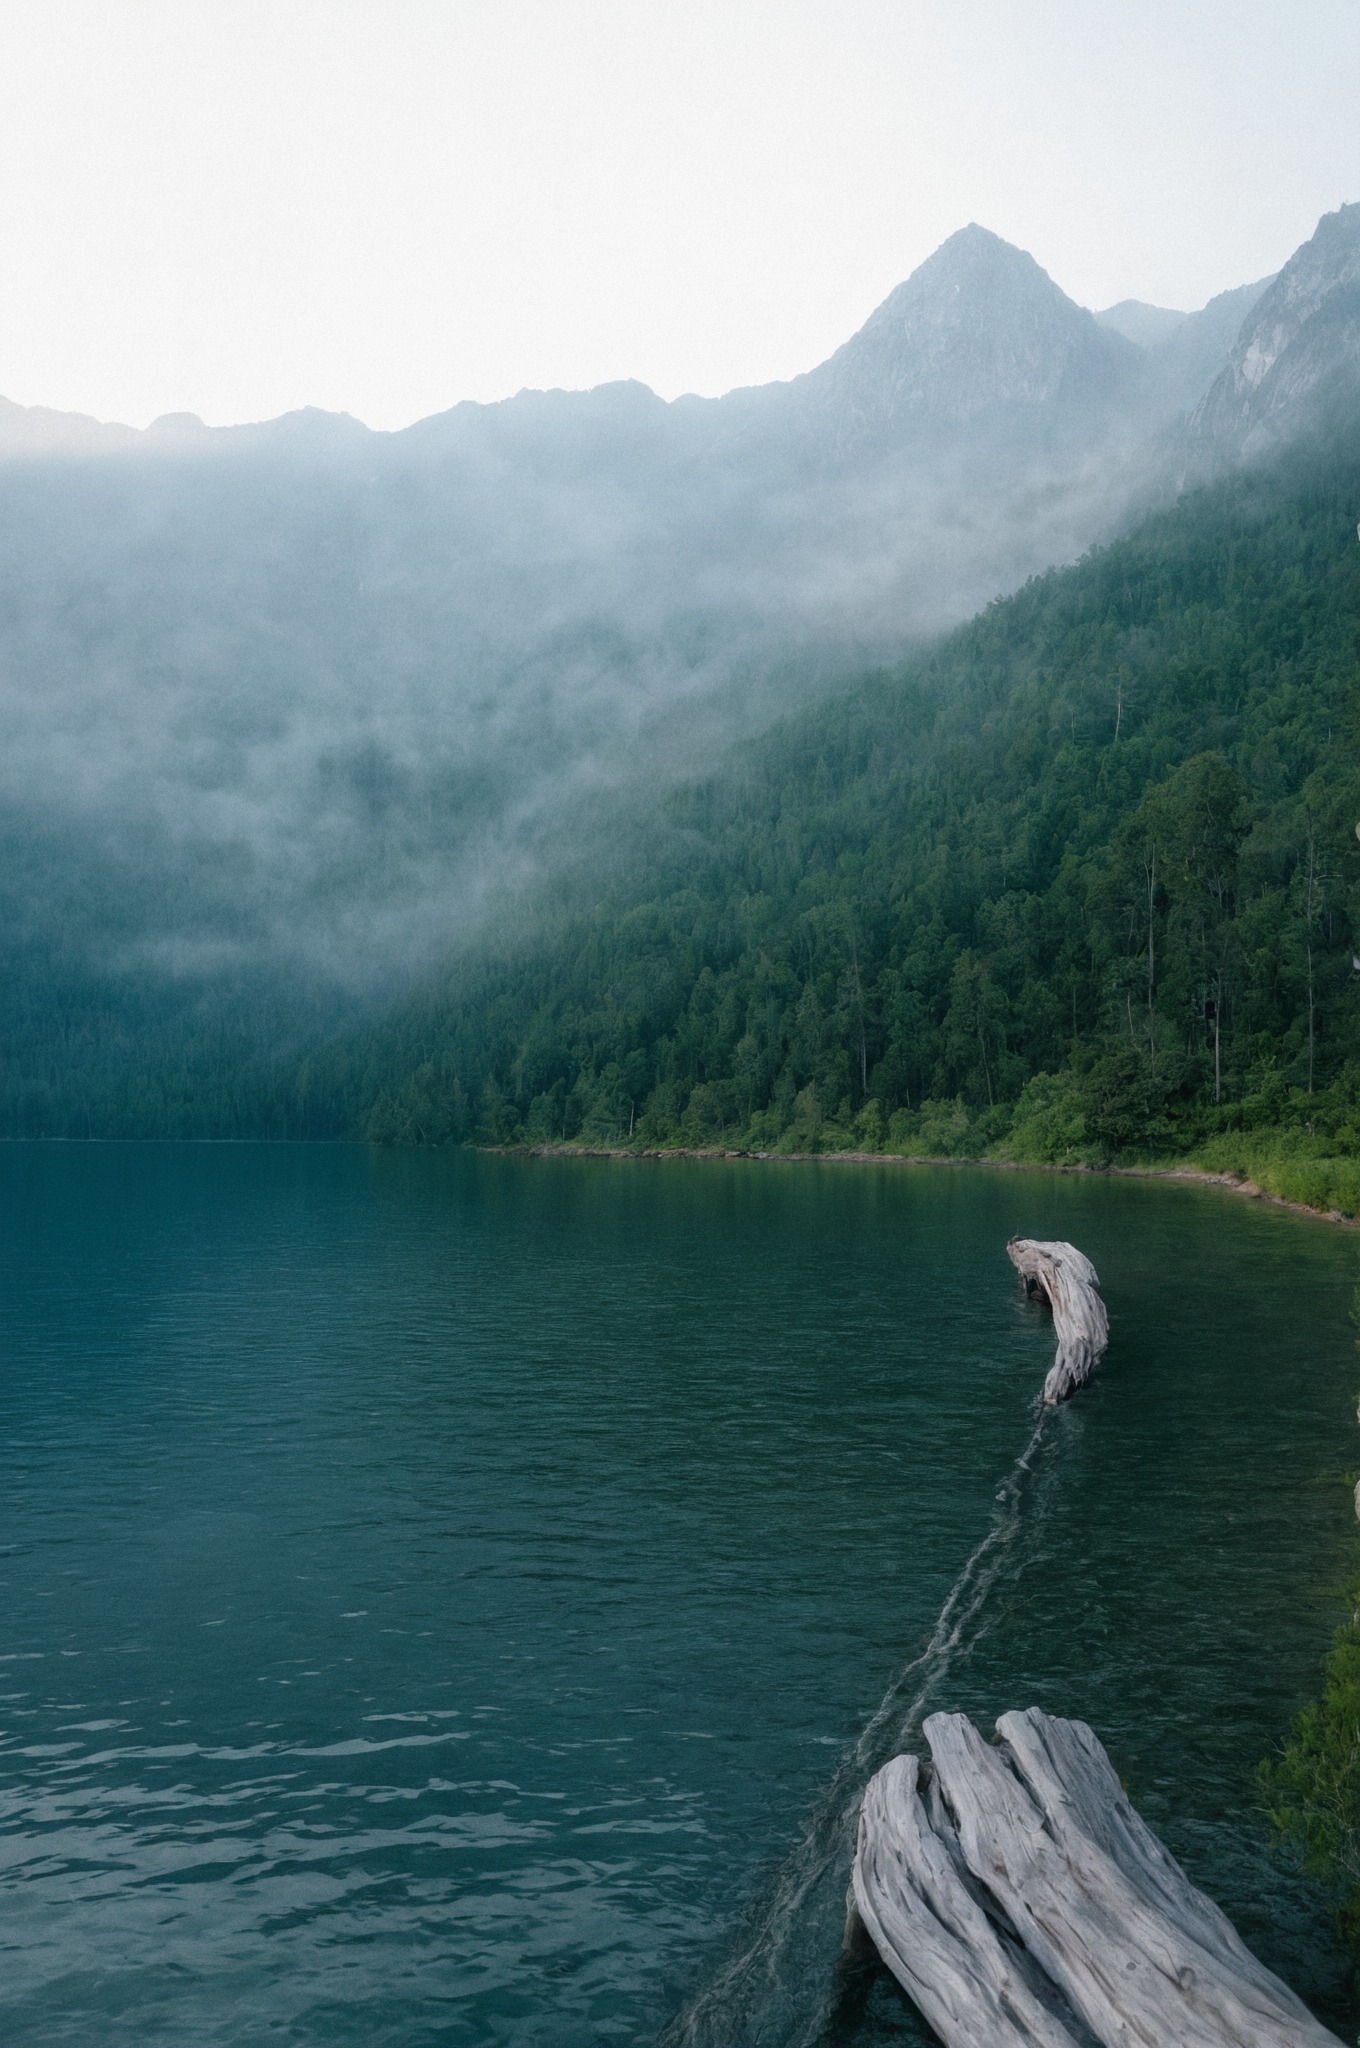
(443, 1594)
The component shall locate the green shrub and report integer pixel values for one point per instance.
(943, 1129)
(1295, 1164)
(1312, 1791)
(1048, 1126)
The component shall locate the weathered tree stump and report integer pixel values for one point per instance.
(1018, 1899)
(1071, 1286)
(930, 1925)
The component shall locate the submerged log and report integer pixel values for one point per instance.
(1018, 1898)
(1071, 1286)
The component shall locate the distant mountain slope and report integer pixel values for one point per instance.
(27, 431)
(1297, 356)
(1146, 326)
(1186, 362)
(1184, 352)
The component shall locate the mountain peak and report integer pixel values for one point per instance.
(970, 246)
(177, 426)
(977, 326)
(974, 273)
(1148, 326)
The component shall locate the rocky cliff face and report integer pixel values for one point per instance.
(1297, 356)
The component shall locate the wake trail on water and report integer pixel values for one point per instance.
(776, 1988)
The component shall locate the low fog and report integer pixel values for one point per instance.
(296, 703)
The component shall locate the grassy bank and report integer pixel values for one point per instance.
(1308, 1155)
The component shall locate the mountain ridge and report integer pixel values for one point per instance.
(995, 326)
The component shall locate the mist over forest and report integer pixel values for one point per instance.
(297, 714)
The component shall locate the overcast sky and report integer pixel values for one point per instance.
(383, 206)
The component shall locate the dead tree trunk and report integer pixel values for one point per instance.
(1018, 1898)
(1070, 1284)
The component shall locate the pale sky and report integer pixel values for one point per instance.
(383, 206)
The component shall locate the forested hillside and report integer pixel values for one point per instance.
(1084, 883)
(281, 703)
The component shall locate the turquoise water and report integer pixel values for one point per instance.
(443, 1595)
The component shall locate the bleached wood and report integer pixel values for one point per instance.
(931, 1931)
(1071, 1286)
(1134, 1970)
(1022, 1899)
(1065, 1768)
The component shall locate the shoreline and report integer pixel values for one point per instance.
(1232, 1183)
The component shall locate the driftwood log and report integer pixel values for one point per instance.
(1021, 1903)
(1071, 1286)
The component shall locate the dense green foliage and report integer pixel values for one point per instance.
(1084, 882)
(115, 1055)
(1312, 1790)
